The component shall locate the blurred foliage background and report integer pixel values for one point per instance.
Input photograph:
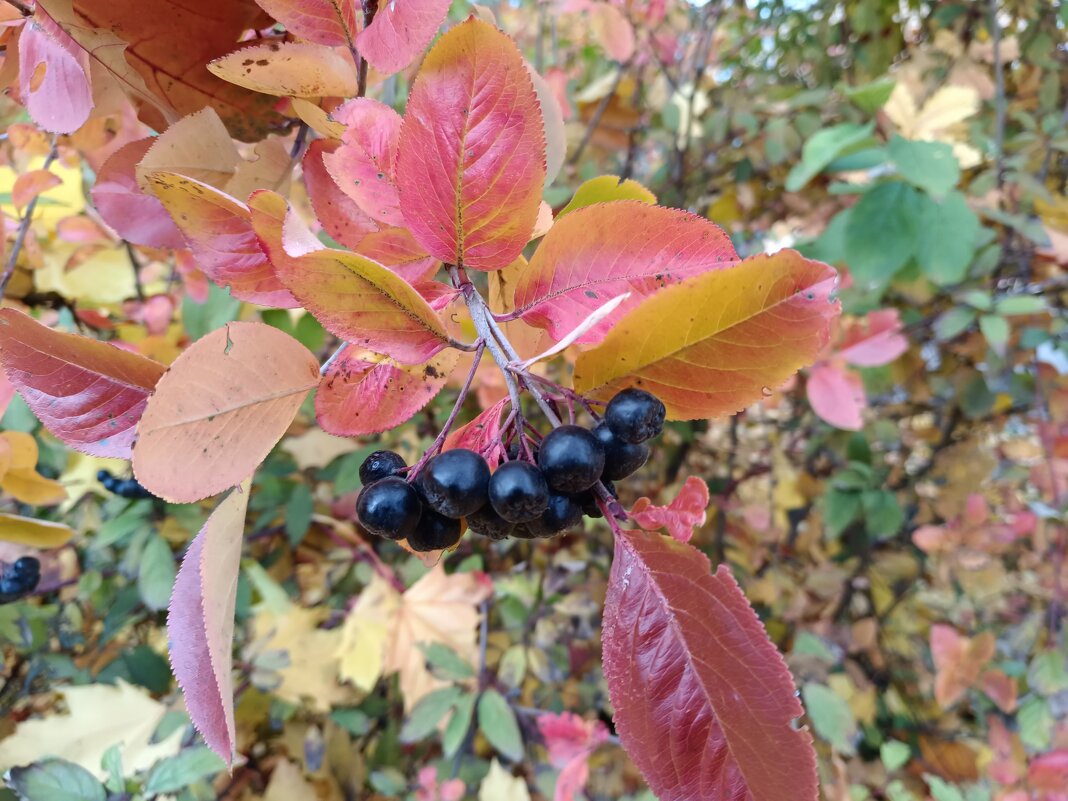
(896, 514)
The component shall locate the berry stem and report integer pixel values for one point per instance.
(444, 433)
(333, 358)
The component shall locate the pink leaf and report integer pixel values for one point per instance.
(874, 341)
(339, 214)
(325, 22)
(1049, 772)
(136, 217)
(598, 252)
(400, 31)
(837, 396)
(200, 623)
(568, 736)
(396, 249)
(613, 30)
(54, 77)
(472, 151)
(680, 517)
(363, 165)
(704, 702)
(218, 230)
(89, 394)
(364, 393)
(31, 184)
(482, 435)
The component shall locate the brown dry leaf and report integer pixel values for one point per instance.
(269, 168)
(100, 716)
(197, 146)
(288, 784)
(316, 448)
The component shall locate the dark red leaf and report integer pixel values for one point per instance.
(704, 702)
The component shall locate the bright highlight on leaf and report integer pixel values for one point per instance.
(472, 150)
(704, 702)
(220, 409)
(87, 393)
(735, 334)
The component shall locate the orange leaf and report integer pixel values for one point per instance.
(327, 22)
(958, 661)
(30, 184)
(471, 160)
(717, 342)
(219, 410)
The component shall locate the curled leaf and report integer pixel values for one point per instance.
(686, 511)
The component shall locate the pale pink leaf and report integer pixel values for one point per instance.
(482, 435)
(686, 511)
(613, 30)
(837, 396)
(1049, 771)
(704, 703)
(325, 22)
(400, 31)
(568, 735)
(341, 217)
(471, 164)
(54, 77)
(31, 184)
(200, 623)
(875, 340)
(363, 165)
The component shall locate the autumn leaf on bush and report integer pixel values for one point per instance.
(699, 690)
(960, 664)
(733, 335)
(54, 76)
(686, 512)
(89, 394)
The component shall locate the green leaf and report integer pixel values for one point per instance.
(215, 312)
(428, 713)
(872, 96)
(355, 721)
(183, 769)
(894, 754)
(299, 510)
(947, 236)
(1036, 723)
(1049, 673)
(459, 723)
(883, 515)
(840, 508)
(111, 763)
(1021, 304)
(497, 721)
(941, 790)
(445, 663)
(155, 577)
(822, 148)
(55, 780)
(513, 667)
(881, 235)
(929, 165)
(978, 298)
(953, 322)
(996, 329)
(389, 782)
(831, 717)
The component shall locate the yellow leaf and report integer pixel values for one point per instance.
(311, 675)
(500, 785)
(316, 448)
(27, 486)
(362, 650)
(100, 716)
(23, 450)
(288, 784)
(35, 533)
(289, 69)
(606, 188)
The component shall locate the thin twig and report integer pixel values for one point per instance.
(333, 358)
(999, 97)
(595, 120)
(136, 264)
(25, 10)
(370, 8)
(24, 225)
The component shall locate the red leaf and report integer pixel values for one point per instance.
(200, 623)
(325, 22)
(482, 435)
(1049, 772)
(363, 165)
(218, 230)
(704, 702)
(339, 214)
(837, 396)
(364, 393)
(570, 740)
(137, 217)
(400, 32)
(680, 517)
(54, 77)
(88, 394)
(599, 252)
(472, 152)
(873, 341)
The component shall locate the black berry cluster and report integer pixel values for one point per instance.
(526, 499)
(19, 579)
(123, 487)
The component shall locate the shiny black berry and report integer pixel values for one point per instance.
(104, 476)
(564, 512)
(455, 483)
(434, 532)
(389, 508)
(489, 524)
(571, 459)
(588, 500)
(518, 492)
(379, 465)
(26, 566)
(635, 415)
(20, 579)
(620, 458)
(129, 488)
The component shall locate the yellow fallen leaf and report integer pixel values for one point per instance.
(361, 652)
(100, 716)
(311, 675)
(27, 486)
(288, 784)
(936, 120)
(500, 785)
(35, 533)
(316, 448)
